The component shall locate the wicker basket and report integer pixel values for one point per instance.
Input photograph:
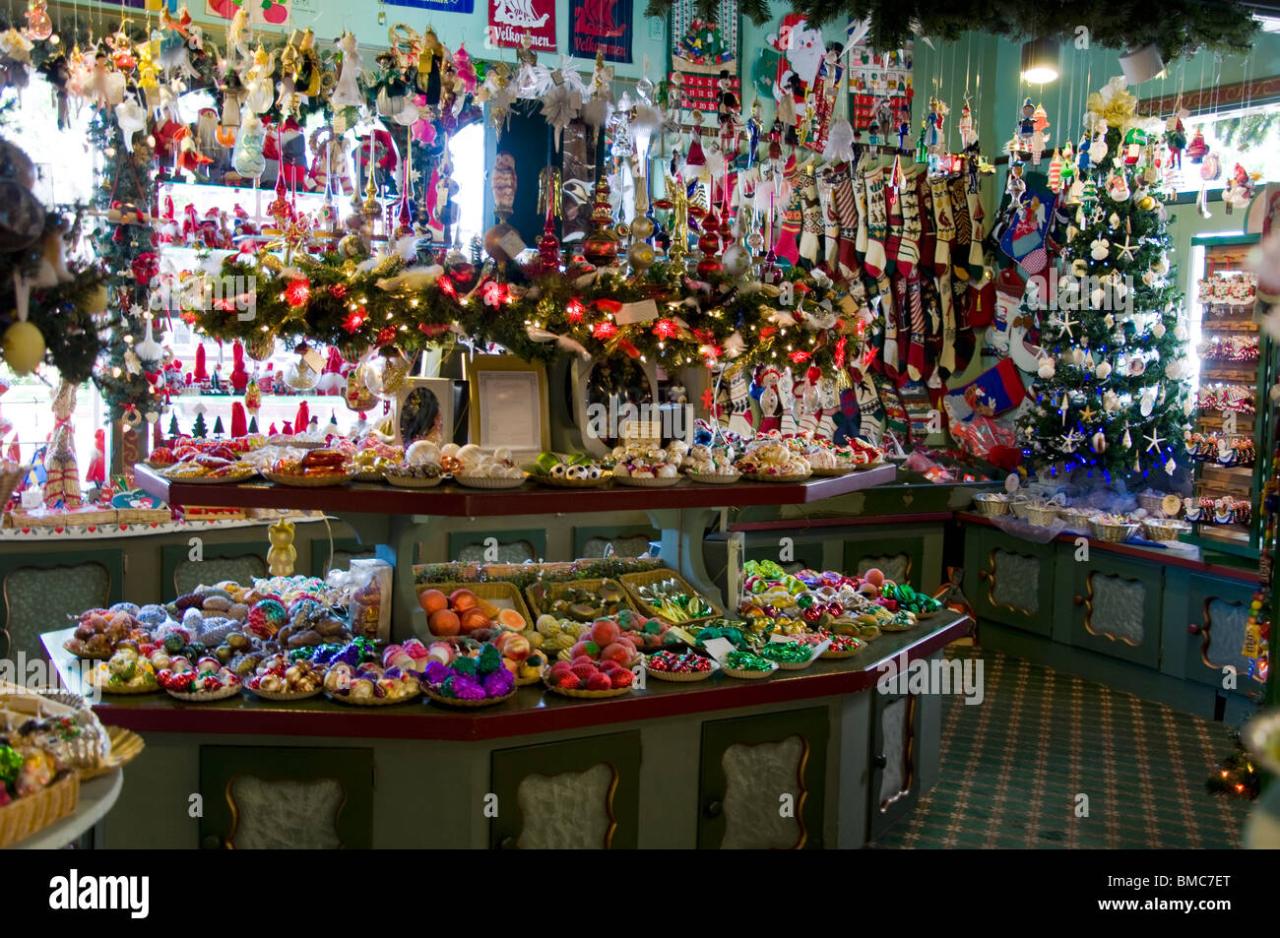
(467, 704)
(714, 478)
(765, 477)
(126, 745)
(1114, 532)
(1164, 529)
(26, 816)
(10, 475)
(557, 483)
(489, 482)
(591, 694)
(284, 698)
(681, 677)
(555, 586)
(309, 482)
(207, 696)
(229, 478)
(1153, 502)
(494, 595)
(832, 472)
(749, 675)
(411, 482)
(990, 505)
(656, 482)
(633, 582)
(85, 656)
(830, 655)
(1041, 515)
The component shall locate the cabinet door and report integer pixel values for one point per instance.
(901, 558)
(762, 781)
(894, 789)
(1010, 581)
(1115, 607)
(583, 793)
(1216, 613)
(258, 797)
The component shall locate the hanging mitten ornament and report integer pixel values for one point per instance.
(1197, 149)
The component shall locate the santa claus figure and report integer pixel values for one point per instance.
(802, 53)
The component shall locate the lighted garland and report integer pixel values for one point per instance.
(359, 307)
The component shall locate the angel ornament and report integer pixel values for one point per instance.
(260, 89)
(347, 93)
(331, 167)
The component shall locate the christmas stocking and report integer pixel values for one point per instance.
(740, 404)
(943, 225)
(877, 223)
(965, 341)
(810, 222)
(830, 221)
(928, 235)
(909, 198)
(893, 217)
(957, 189)
(977, 259)
(890, 355)
(915, 323)
(847, 213)
(947, 314)
(860, 209)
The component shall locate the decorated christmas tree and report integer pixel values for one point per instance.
(1111, 393)
(124, 247)
(218, 429)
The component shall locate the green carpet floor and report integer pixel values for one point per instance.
(1013, 766)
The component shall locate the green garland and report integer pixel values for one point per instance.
(1176, 27)
(358, 307)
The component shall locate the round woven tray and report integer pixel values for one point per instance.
(411, 482)
(573, 483)
(371, 701)
(748, 675)
(207, 696)
(590, 694)
(309, 482)
(657, 482)
(529, 681)
(229, 478)
(284, 698)
(467, 704)
(794, 665)
(762, 477)
(370, 476)
(488, 482)
(862, 467)
(833, 471)
(681, 677)
(713, 479)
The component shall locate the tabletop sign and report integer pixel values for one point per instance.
(512, 244)
(718, 648)
(313, 359)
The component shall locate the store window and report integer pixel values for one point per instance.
(1248, 136)
(68, 172)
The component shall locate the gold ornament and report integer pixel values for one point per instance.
(641, 256)
(23, 347)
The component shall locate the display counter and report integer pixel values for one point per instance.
(822, 755)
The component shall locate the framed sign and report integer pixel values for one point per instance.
(508, 404)
(609, 394)
(424, 411)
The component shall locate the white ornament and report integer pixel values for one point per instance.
(1100, 249)
(1180, 332)
(1158, 330)
(1103, 371)
(1077, 356)
(1170, 467)
(1127, 440)
(1079, 267)
(1114, 220)
(1097, 298)
(1149, 278)
(1046, 368)
(1099, 442)
(1154, 440)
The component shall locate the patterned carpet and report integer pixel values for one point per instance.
(1013, 766)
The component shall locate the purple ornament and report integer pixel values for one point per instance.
(499, 683)
(437, 673)
(466, 688)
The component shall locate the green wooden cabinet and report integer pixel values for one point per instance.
(186, 566)
(1010, 581)
(42, 590)
(901, 558)
(1215, 615)
(1114, 607)
(581, 793)
(498, 546)
(260, 797)
(895, 781)
(762, 781)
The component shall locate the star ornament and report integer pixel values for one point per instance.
(1127, 249)
(1087, 414)
(1071, 441)
(1066, 324)
(1154, 440)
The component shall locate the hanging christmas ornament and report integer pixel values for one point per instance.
(1126, 440)
(1099, 442)
(601, 245)
(1103, 371)
(502, 242)
(1100, 249)
(1170, 467)
(1046, 369)
(300, 374)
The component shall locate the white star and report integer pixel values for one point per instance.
(1071, 441)
(135, 311)
(1066, 324)
(1127, 249)
(1154, 440)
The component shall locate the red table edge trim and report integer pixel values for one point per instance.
(405, 724)
(854, 521)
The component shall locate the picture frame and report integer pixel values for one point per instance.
(584, 415)
(508, 405)
(423, 411)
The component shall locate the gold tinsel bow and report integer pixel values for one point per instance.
(1113, 103)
